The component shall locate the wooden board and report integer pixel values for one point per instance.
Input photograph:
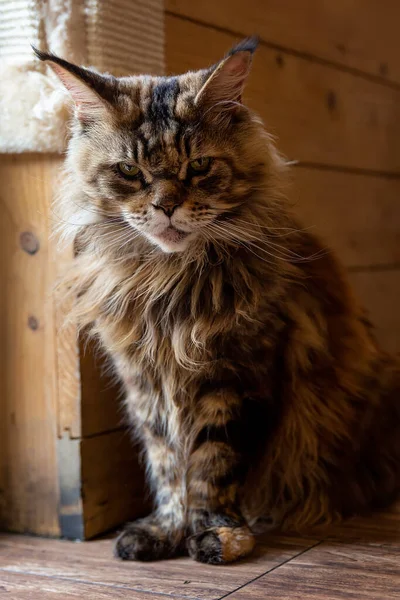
(357, 559)
(112, 485)
(28, 423)
(51, 395)
(92, 562)
(357, 215)
(331, 571)
(380, 293)
(101, 394)
(379, 529)
(68, 366)
(318, 113)
(361, 34)
(22, 586)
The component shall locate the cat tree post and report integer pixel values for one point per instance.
(67, 466)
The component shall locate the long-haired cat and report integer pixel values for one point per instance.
(252, 375)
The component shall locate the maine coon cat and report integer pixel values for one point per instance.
(251, 374)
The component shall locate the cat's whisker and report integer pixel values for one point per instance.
(283, 252)
(53, 217)
(97, 211)
(278, 256)
(245, 245)
(288, 230)
(119, 234)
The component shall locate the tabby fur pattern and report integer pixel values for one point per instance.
(251, 374)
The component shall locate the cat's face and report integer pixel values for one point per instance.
(170, 156)
(174, 187)
(159, 167)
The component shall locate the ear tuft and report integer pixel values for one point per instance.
(222, 91)
(41, 55)
(249, 44)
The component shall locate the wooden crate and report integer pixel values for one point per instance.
(67, 464)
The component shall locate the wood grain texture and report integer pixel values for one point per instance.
(52, 394)
(28, 423)
(380, 292)
(382, 529)
(361, 34)
(68, 363)
(331, 571)
(318, 113)
(357, 215)
(21, 586)
(92, 562)
(101, 394)
(357, 559)
(113, 489)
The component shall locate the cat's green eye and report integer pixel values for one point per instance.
(200, 165)
(128, 170)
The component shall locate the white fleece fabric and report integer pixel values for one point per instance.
(122, 37)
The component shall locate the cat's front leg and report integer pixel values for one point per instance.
(159, 535)
(217, 464)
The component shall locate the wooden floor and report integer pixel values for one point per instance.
(360, 560)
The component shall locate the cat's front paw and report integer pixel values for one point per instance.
(220, 545)
(144, 540)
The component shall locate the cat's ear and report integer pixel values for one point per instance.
(91, 92)
(223, 88)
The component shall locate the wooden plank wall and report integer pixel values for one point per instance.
(326, 81)
(29, 493)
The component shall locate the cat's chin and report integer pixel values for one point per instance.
(172, 240)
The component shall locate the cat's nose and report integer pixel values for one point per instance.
(167, 205)
(167, 196)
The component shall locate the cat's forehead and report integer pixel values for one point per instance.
(160, 120)
(161, 102)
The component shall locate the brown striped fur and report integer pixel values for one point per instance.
(252, 376)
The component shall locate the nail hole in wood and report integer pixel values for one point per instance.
(383, 69)
(33, 323)
(29, 242)
(331, 100)
(279, 60)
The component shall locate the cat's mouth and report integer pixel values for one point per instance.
(171, 235)
(171, 239)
